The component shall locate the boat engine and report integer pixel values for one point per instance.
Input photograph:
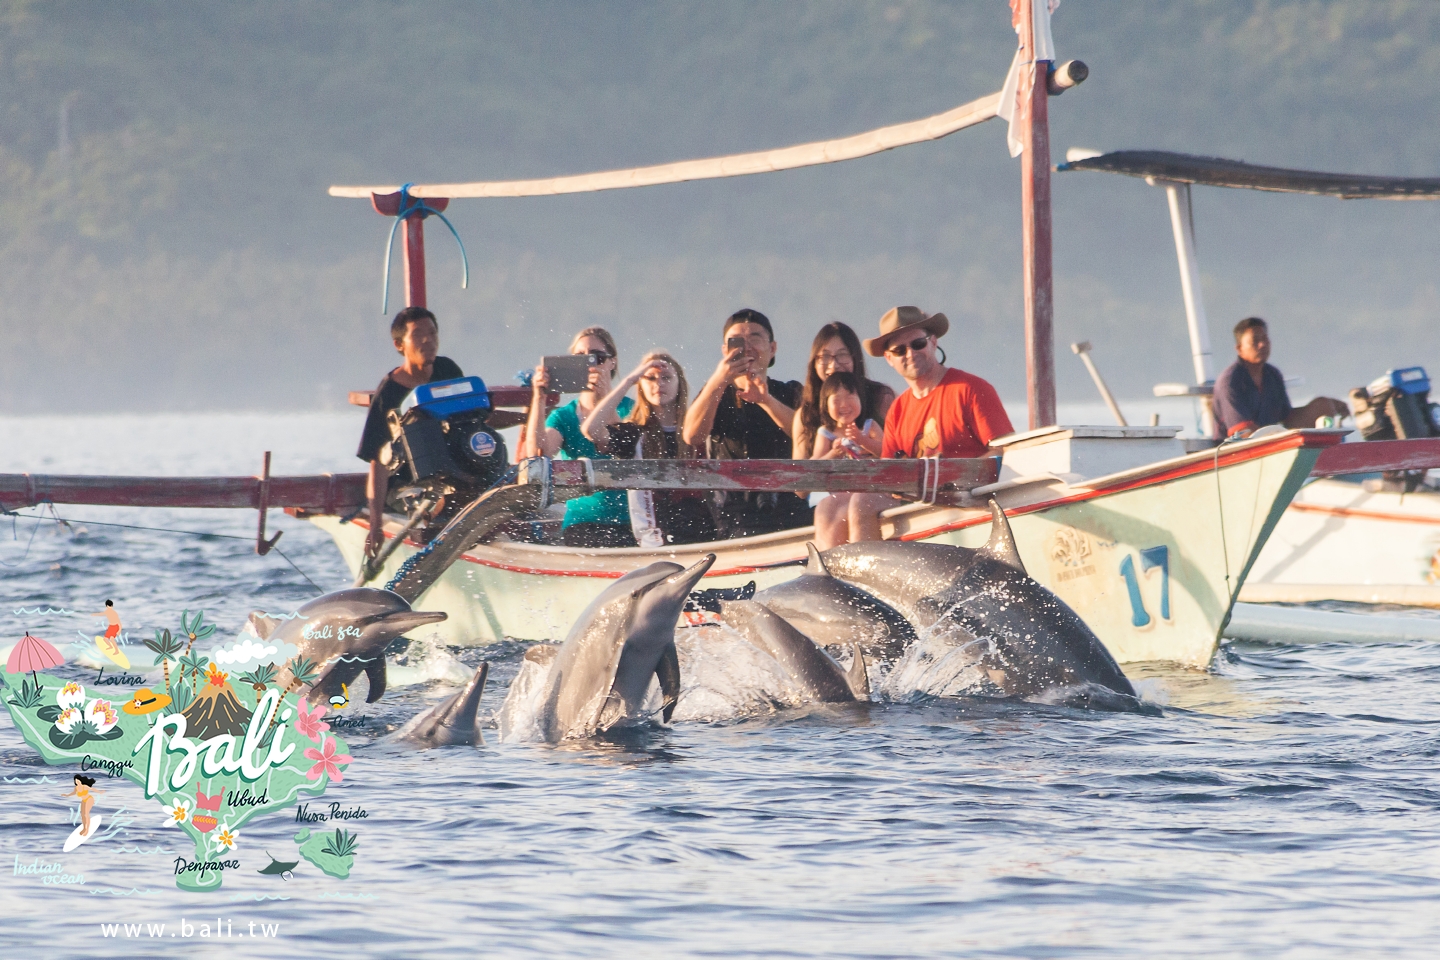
(1397, 406)
(441, 449)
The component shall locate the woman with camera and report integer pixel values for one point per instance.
(601, 519)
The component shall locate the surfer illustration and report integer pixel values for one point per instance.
(108, 644)
(85, 792)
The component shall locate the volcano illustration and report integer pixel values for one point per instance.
(216, 710)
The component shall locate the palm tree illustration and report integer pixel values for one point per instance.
(164, 647)
(302, 671)
(194, 664)
(259, 678)
(195, 630)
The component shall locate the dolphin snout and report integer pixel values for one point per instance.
(690, 576)
(406, 621)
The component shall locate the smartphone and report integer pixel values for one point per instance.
(568, 373)
(734, 343)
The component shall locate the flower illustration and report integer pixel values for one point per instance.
(326, 761)
(69, 718)
(309, 723)
(70, 695)
(102, 715)
(225, 838)
(176, 814)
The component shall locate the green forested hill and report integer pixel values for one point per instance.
(169, 243)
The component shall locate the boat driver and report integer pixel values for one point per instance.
(1250, 393)
(417, 339)
(945, 412)
(742, 413)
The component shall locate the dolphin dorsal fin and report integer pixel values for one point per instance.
(815, 566)
(260, 625)
(667, 671)
(1001, 545)
(857, 678)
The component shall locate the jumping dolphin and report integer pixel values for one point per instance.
(834, 613)
(451, 723)
(811, 668)
(344, 634)
(601, 674)
(1021, 635)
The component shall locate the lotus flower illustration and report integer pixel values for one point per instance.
(69, 719)
(102, 715)
(70, 695)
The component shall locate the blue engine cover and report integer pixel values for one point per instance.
(447, 398)
(1409, 380)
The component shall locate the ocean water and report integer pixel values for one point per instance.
(1284, 803)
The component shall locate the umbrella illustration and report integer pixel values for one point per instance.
(32, 654)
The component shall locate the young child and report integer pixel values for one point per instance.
(839, 436)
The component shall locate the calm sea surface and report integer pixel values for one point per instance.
(1286, 803)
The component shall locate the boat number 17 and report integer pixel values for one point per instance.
(1151, 558)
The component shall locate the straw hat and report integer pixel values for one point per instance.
(899, 321)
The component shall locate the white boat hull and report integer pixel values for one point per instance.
(1151, 558)
(1338, 541)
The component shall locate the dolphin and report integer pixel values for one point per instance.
(833, 613)
(1024, 638)
(600, 675)
(451, 723)
(344, 634)
(819, 676)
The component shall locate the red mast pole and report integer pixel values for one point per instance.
(413, 241)
(414, 260)
(1033, 117)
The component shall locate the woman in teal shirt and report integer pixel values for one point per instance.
(601, 519)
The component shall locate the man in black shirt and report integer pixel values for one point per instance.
(417, 338)
(741, 413)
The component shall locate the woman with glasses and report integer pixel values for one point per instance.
(945, 412)
(652, 431)
(835, 349)
(601, 519)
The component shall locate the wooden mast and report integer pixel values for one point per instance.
(1033, 117)
(413, 239)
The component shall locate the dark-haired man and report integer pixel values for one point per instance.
(1250, 393)
(417, 339)
(742, 413)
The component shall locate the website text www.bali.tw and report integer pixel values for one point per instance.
(222, 928)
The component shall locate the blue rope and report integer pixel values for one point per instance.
(413, 206)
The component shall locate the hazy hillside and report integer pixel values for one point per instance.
(171, 246)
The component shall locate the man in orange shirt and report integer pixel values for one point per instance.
(944, 413)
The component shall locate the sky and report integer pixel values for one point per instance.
(173, 248)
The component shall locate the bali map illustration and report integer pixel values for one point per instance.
(213, 746)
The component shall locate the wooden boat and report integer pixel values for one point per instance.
(1337, 540)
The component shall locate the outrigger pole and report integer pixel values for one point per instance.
(1032, 116)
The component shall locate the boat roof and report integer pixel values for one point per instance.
(1158, 165)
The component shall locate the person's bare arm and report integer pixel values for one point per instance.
(539, 440)
(597, 425)
(376, 487)
(758, 392)
(799, 450)
(700, 418)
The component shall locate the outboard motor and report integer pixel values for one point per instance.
(441, 448)
(1397, 407)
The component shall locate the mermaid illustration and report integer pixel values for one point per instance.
(85, 792)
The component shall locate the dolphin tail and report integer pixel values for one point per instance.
(667, 671)
(857, 677)
(375, 670)
(815, 566)
(1001, 545)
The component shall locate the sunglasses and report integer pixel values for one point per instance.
(900, 349)
(598, 357)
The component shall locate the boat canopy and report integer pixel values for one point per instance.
(1161, 165)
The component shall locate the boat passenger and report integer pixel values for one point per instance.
(652, 432)
(1251, 394)
(945, 412)
(835, 348)
(741, 413)
(601, 519)
(416, 335)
